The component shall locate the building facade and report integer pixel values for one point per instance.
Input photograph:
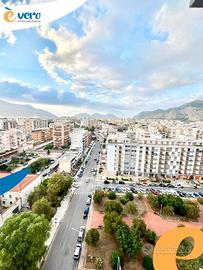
(149, 157)
(61, 134)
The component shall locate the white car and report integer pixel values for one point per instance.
(75, 185)
(77, 252)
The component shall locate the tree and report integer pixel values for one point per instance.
(129, 196)
(153, 201)
(113, 207)
(192, 210)
(111, 195)
(170, 200)
(114, 258)
(112, 221)
(43, 207)
(129, 240)
(92, 237)
(22, 241)
(131, 208)
(39, 164)
(148, 263)
(58, 187)
(140, 225)
(168, 211)
(38, 193)
(151, 236)
(98, 196)
(124, 200)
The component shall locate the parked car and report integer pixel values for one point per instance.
(86, 212)
(75, 185)
(81, 234)
(88, 202)
(77, 252)
(121, 182)
(106, 182)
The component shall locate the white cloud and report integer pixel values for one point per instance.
(9, 36)
(129, 52)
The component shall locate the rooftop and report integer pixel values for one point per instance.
(23, 184)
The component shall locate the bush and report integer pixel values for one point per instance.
(129, 196)
(200, 200)
(112, 221)
(140, 196)
(92, 237)
(114, 259)
(168, 211)
(124, 200)
(131, 208)
(148, 263)
(113, 207)
(192, 210)
(153, 201)
(151, 236)
(98, 262)
(98, 196)
(139, 225)
(111, 195)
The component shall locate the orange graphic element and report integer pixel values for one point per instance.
(9, 16)
(165, 251)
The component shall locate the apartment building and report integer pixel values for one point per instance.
(153, 157)
(41, 136)
(33, 124)
(7, 124)
(80, 138)
(61, 133)
(12, 139)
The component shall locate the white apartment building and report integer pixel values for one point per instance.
(7, 124)
(12, 139)
(80, 138)
(149, 157)
(33, 124)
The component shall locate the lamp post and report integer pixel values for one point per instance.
(118, 264)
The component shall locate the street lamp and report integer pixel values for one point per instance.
(118, 264)
(196, 3)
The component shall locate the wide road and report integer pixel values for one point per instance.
(60, 256)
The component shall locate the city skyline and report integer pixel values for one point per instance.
(146, 58)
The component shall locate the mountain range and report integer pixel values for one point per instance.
(95, 116)
(16, 110)
(192, 111)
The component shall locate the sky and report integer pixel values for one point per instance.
(120, 57)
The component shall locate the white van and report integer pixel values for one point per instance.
(77, 252)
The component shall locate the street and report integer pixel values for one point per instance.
(60, 255)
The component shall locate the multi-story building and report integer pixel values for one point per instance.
(41, 136)
(6, 124)
(80, 138)
(148, 157)
(12, 139)
(61, 133)
(33, 124)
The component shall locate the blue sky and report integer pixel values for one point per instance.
(112, 56)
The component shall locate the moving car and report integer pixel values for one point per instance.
(77, 252)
